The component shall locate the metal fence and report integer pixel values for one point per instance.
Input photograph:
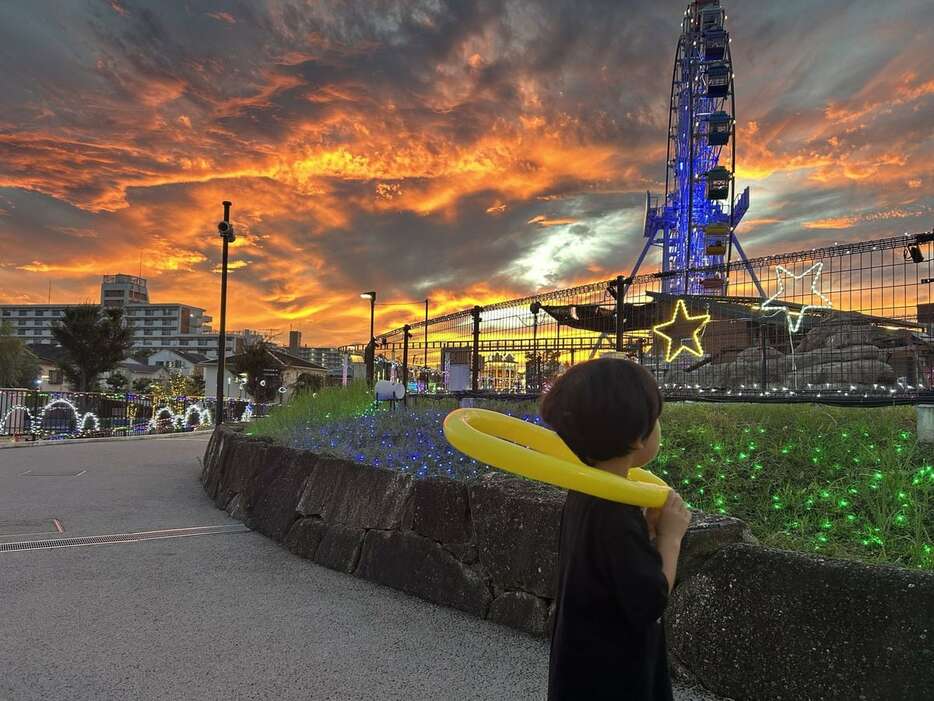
(849, 322)
(36, 414)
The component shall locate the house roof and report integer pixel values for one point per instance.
(277, 358)
(194, 358)
(47, 352)
(139, 368)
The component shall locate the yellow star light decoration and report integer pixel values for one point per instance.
(681, 318)
(795, 318)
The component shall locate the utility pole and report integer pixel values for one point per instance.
(227, 235)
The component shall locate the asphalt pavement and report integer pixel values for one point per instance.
(220, 613)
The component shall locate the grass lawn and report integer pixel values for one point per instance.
(848, 483)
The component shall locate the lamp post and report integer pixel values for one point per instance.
(371, 346)
(226, 232)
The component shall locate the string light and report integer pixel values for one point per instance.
(780, 273)
(679, 317)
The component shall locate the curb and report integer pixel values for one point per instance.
(105, 439)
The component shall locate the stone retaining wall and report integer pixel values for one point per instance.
(746, 621)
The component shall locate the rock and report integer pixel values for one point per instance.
(419, 566)
(272, 496)
(753, 354)
(517, 609)
(748, 371)
(817, 336)
(707, 534)
(360, 496)
(761, 623)
(803, 361)
(304, 537)
(441, 510)
(856, 372)
(339, 548)
(516, 524)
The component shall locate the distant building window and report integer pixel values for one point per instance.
(39, 312)
(148, 332)
(22, 312)
(113, 293)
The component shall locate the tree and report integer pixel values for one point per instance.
(117, 381)
(18, 366)
(94, 340)
(254, 359)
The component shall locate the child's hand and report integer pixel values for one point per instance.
(651, 520)
(673, 518)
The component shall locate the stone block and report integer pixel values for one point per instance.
(339, 548)
(273, 494)
(240, 462)
(761, 623)
(516, 525)
(419, 566)
(517, 609)
(359, 496)
(707, 534)
(441, 510)
(304, 537)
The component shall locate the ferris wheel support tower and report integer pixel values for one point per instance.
(694, 222)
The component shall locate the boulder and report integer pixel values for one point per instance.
(419, 566)
(272, 496)
(516, 524)
(441, 510)
(343, 492)
(304, 536)
(817, 336)
(761, 623)
(517, 609)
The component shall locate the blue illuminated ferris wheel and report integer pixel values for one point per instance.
(694, 223)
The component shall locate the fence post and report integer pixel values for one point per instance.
(475, 365)
(405, 361)
(764, 369)
(619, 313)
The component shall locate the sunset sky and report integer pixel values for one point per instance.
(461, 151)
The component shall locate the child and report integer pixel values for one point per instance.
(608, 640)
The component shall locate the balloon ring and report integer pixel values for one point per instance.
(535, 452)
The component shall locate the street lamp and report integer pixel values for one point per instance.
(371, 346)
(226, 232)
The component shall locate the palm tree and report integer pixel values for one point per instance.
(94, 340)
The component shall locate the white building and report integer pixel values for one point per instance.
(154, 326)
(182, 362)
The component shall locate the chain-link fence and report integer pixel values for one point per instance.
(849, 322)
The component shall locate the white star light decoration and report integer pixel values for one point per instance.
(795, 318)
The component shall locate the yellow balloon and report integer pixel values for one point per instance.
(532, 451)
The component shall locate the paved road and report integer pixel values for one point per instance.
(221, 616)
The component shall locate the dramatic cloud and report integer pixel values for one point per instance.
(461, 151)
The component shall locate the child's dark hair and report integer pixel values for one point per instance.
(602, 407)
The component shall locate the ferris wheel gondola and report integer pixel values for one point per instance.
(694, 222)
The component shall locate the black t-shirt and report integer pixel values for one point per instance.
(608, 641)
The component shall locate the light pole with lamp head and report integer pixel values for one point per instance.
(226, 232)
(371, 346)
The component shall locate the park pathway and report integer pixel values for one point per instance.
(214, 611)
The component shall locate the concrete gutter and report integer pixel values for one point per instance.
(106, 439)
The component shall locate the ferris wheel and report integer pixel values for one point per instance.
(694, 222)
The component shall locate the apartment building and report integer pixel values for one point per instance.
(172, 326)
